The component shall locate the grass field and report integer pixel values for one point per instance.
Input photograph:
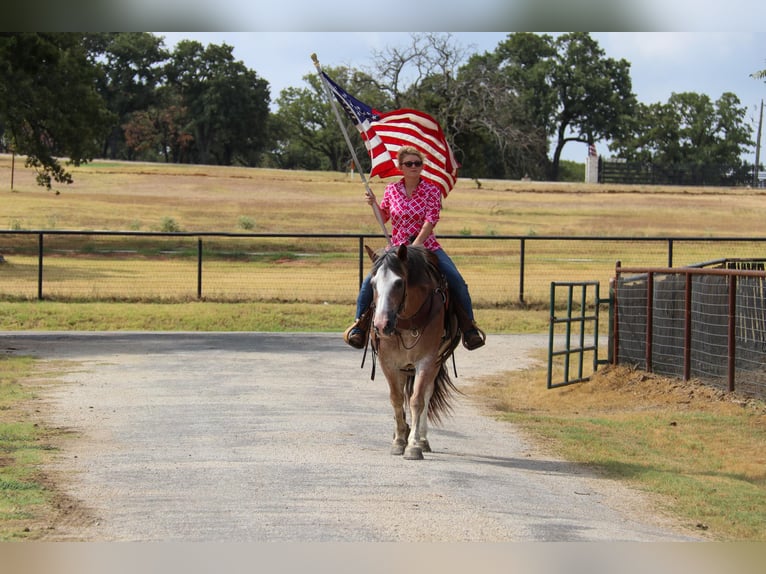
(701, 454)
(127, 196)
(116, 196)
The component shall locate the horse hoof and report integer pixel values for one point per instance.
(397, 449)
(413, 453)
(425, 447)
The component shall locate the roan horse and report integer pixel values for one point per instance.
(413, 333)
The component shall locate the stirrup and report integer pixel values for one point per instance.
(476, 343)
(356, 340)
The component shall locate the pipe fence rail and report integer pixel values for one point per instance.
(700, 322)
(179, 266)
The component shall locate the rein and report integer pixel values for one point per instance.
(433, 303)
(427, 312)
(423, 316)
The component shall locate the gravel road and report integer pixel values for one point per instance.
(246, 437)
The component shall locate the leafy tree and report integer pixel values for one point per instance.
(130, 71)
(565, 88)
(689, 130)
(594, 98)
(159, 131)
(498, 131)
(303, 132)
(308, 132)
(227, 104)
(48, 105)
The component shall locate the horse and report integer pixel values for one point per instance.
(413, 333)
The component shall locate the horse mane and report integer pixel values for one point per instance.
(422, 266)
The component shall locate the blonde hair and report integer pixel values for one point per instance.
(409, 150)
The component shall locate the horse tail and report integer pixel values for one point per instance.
(441, 399)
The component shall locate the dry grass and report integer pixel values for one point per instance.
(700, 450)
(121, 196)
(130, 196)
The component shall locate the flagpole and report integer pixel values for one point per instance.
(333, 105)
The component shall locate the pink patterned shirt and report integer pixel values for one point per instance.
(407, 215)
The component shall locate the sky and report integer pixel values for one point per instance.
(662, 63)
(344, 16)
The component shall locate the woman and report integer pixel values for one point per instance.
(413, 205)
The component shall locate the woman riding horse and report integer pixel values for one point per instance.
(413, 205)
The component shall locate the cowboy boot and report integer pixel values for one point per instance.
(473, 337)
(356, 334)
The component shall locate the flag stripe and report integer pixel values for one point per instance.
(384, 133)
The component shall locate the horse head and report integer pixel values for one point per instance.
(389, 283)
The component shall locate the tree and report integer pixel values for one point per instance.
(48, 105)
(594, 98)
(562, 88)
(159, 132)
(421, 74)
(130, 71)
(505, 104)
(690, 130)
(309, 136)
(228, 104)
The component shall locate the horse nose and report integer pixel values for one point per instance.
(385, 325)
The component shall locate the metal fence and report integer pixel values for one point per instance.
(156, 266)
(700, 322)
(647, 173)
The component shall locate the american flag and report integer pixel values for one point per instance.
(384, 133)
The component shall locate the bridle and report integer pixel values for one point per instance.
(416, 323)
(427, 312)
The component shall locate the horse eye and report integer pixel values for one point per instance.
(398, 284)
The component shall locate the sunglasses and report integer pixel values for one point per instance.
(412, 163)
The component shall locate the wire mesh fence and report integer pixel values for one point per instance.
(144, 266)
(695, 322)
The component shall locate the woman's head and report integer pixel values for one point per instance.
(409, 154)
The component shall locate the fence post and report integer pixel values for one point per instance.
(649, 319)
(361, 261)
(732, 332)
(670, 253)
(688, 327)
(615, 316)
(522, 256)
(199, 268)
(40, 267)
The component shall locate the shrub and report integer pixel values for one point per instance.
(246, 223)
(170, 225)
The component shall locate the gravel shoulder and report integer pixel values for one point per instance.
(260, 437)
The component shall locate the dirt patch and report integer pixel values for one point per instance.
(62, 517)
(640, 390)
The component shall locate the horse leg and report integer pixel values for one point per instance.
(401, 429)
(423, 443)
(417, 442)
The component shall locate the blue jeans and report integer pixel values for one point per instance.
(457, 286)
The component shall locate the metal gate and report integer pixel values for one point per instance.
(574, 338)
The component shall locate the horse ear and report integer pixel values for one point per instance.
(402, 252)
(371, 253)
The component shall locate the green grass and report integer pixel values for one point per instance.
(206, 316)
(699, 453)
(681, 463)
(25, 501)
